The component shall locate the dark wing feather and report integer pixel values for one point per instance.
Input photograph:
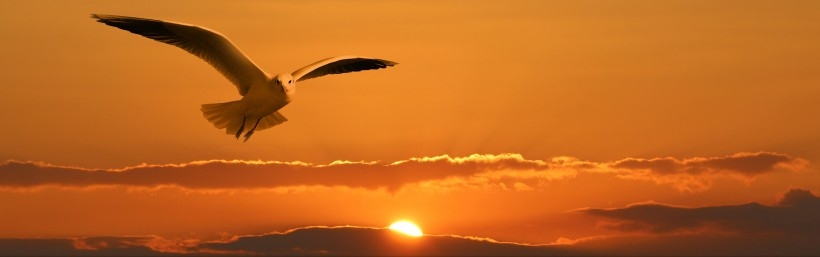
(208, 45)
(338, 65)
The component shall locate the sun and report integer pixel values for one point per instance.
(407, 228)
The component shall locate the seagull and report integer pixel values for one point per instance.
(262, 95)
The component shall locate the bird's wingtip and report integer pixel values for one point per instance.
(389, 63)
(100, 17)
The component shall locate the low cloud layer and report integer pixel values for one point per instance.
(92, 246)
(475, 170)
(789, 226)
(326, 241)
(794, 214)
(357, 241)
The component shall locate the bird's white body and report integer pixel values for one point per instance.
(262, 95)
(261, 101)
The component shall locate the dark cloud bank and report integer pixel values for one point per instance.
(92, 246)
(791, 226)
(375, 242)
(328, 241)
(788, 227)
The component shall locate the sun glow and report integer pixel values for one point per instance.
(406, 227)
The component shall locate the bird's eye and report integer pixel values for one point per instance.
(288, 81)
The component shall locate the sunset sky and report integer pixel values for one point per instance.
(508, 127)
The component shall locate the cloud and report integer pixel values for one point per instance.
(700, 245)
(795, 213)
(94, 246)
(332, 241)
(697, 174)
(789, 226)
(220, 174)
(359, 241)
(799, 199)
(747, 164)
(791, 223)
(505, 170)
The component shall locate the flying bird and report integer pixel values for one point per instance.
(262, 95)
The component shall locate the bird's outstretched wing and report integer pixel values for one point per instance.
(338, 65)
(208, 45)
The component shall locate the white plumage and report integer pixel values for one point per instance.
(262, 95)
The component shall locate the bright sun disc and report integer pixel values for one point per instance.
(406, 227)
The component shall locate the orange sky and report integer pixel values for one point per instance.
(544, 122)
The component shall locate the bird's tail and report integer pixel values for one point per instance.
(230, 115)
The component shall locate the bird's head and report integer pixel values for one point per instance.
(285, 81)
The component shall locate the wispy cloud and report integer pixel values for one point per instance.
(508, 170)
(697, 174)
(221, 174)
(747, 164)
